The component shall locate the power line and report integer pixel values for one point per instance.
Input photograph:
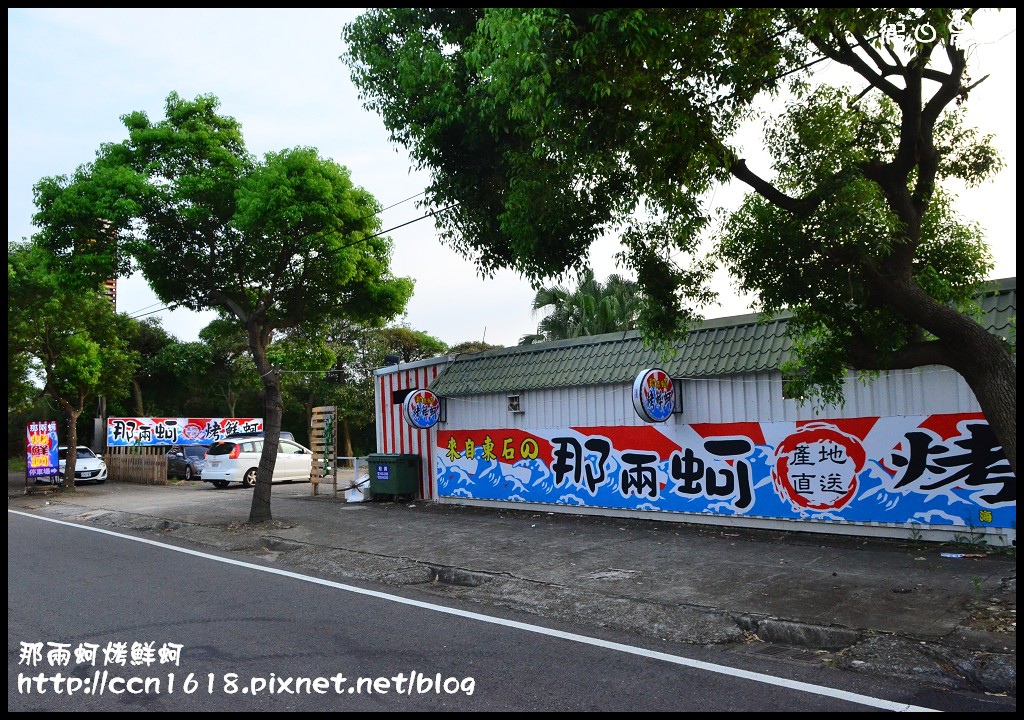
(136, 314)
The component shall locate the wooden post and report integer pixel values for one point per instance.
(323, 441)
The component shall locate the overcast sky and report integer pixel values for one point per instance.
(72, 74)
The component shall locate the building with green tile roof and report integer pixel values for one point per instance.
(724, 346)
(559, 425)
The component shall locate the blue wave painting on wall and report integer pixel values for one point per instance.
(929, 470)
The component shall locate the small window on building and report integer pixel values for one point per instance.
(514, 404)
(398, 396)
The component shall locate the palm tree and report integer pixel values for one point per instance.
(592, 308)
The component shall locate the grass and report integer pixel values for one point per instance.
(16, 463)
(971, 539)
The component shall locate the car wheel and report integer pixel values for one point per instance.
(220, 484)
(249, 479)
(188, 472)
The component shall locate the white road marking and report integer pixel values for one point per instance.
(527, 627)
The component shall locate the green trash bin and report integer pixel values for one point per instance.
(394, 473)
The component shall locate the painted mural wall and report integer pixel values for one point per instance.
(940, 469)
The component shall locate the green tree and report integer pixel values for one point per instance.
(159, 386)
(544, 129)
(303, 359)
(361, 349)
(592, 308)
(22, 394)
(67, 338)
(274, 243)
(177, 380)
(150, 339)
(231, 374)
(408, 344)
(471, 346)
(348, 385)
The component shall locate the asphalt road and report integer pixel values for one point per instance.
(249, 633)
(766, 602)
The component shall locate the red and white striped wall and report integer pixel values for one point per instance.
(394, 434)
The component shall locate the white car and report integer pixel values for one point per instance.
(89, 467)
(235, 460)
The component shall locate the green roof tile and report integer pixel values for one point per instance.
(716, 347)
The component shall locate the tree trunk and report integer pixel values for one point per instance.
(346, 437)
(101, 441)
(981, 358)
(273, 409)
(992, 375)
(309, 413)
(137, 396)
(67, 482)
(230, 396)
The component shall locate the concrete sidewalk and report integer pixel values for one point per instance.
(943, 614)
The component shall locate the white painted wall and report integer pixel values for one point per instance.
(740, 398)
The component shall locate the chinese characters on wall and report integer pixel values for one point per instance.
(940, 469)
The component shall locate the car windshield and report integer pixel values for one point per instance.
(196, 451)
(83, 452)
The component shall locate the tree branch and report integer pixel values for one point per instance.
(912, 355)
(949, 88)
(846, 55)
(885, 68)
(769, 192)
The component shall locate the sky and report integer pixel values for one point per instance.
(72, 73)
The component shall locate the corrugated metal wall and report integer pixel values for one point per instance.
(741, 398)
(394, 434)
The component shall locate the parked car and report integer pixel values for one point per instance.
(186, 461)
(285, 435)
(89, 467)
(236, 459)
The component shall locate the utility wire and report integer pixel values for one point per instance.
(135, 314)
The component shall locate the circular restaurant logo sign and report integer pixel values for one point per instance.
(422, 409)
(654, 395)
